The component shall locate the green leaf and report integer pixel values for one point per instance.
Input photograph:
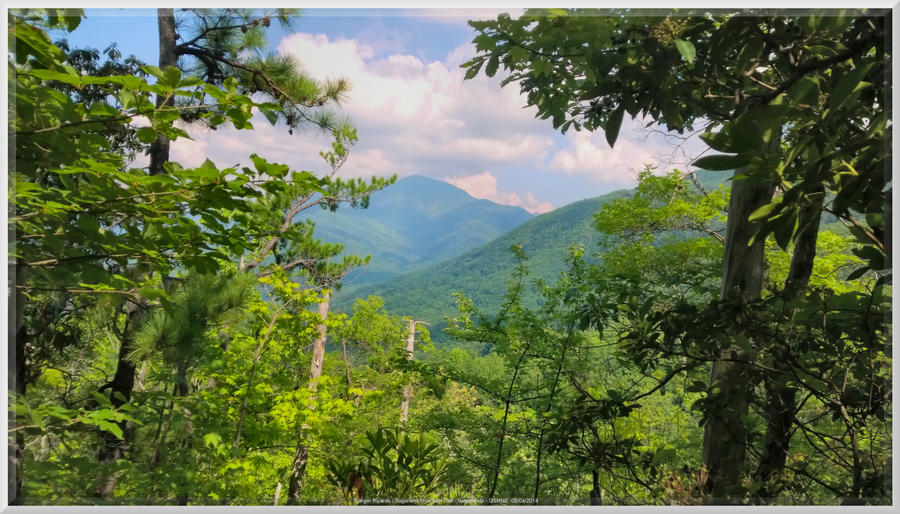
(756, 127)
(784, 229)
(542, 68)
(172, 76)
(146, 134)
(858, 273)
(763, 212)
(697, 386)
(718, 141)
(741, 341)
(671, 112)
(151, 293)
(270, 115)
(212, 439)
(847, 84)
(516, 54)
(875, 219)
(613, 125)
(66, 78)
(473, 67)
(492, 65)
(154, 71)
(721, 162)
(805, 91)
(687, 50)
(190, 81)
(112, 428)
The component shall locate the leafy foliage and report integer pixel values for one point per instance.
(581, 341)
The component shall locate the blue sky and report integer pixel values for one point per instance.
(414, 112)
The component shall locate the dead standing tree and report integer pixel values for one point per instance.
(407, 390)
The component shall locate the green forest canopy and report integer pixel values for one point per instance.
(160, 358)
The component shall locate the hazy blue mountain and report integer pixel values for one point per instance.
(413, 223)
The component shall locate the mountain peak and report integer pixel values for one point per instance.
(413, 223)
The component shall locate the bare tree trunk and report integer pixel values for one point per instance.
(407, 390)
(159, 149)
(301, 456)
(16, 379)
(725, 435)
(782, 399)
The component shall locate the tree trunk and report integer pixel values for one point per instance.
(725, 435)
(301, 456)
(120, 393)
(159, 149)
(318, 354)
(805, 248)
(407, 390)
(123, 381)
(16, 380)
(596, 495)
(781, 400)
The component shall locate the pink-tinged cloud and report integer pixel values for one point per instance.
(418, 117)
(484, 185)
(588, 154)
(424, 114)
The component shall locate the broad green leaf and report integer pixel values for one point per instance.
(742, 342)
(473, 67)
(270, 115)
(718, 141)
(146, 134)
(154, 71)
(66, 78)
(721, 162)
(686, 49)
(847, 84)
(517, 54)
(107, 426)
(613, 125)
(491, 69)
(764, 212)
(805, 91)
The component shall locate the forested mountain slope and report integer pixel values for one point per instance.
(482, 272)
(412, 223)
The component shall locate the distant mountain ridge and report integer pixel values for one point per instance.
(482, 273)
(412, 223)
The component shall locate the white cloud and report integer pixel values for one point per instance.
(484, 185)
(419, 117)
(587, 153)
(423, 117)
(227, 146)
